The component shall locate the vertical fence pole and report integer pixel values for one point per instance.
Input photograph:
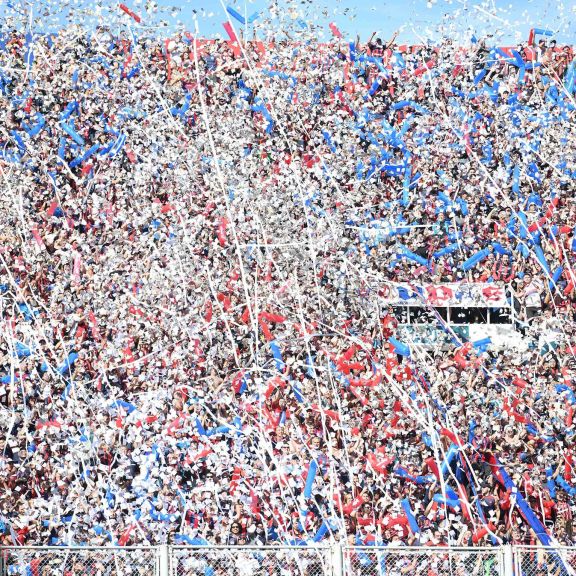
(337, 565)
(164, 560)
(508, 565)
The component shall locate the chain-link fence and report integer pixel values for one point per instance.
(251, 561)
(388, 561)
(540, 561)
(75, 561)
(288, 561)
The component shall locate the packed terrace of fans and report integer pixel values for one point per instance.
(196, 236)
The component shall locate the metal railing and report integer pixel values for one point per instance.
(287, 561)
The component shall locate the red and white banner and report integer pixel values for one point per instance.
(439, 295)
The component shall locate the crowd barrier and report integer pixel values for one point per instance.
(251, 561)
(440, 561)
(72, 561)
(539, 561)
(288, 561)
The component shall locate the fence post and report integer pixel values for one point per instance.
(164, 560)
(508, 553)
(337, 560)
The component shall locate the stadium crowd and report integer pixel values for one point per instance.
(195, 240)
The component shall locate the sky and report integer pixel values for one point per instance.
(416, 20)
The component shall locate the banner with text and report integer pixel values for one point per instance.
(455, 294)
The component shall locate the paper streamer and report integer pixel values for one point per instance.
(523, 507)
(335, 30)
(410, 515)
(127, 10)
(399, 347)
(230, 32)
(312, 470)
